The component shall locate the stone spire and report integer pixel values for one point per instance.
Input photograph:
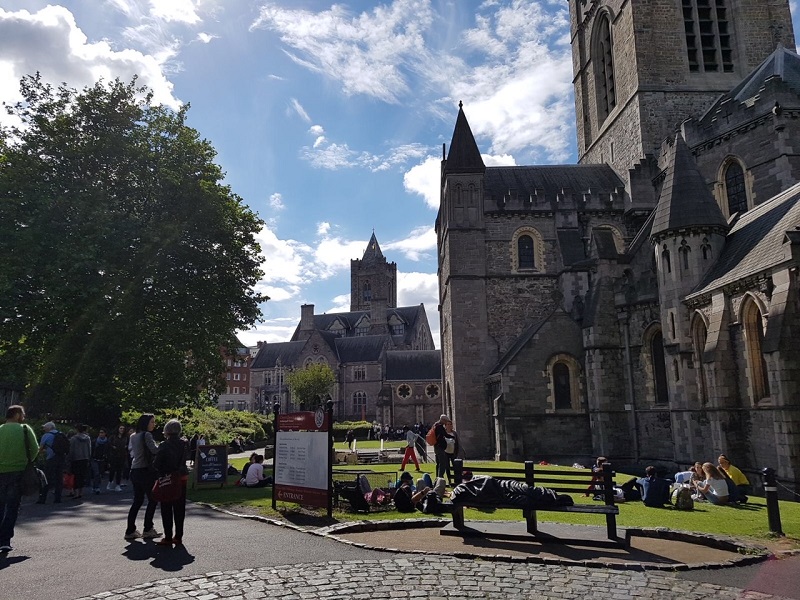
(685, 201)
(373, 251)
(464, 156)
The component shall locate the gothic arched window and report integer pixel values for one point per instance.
(684, 251)
(367, 295)
(562, 390)
(603, 57)
(699, 337)
(666, 260)
(735, 192)
(659, 368)
(708, 36)
(753, 325)
(525, 252)
(359, 401)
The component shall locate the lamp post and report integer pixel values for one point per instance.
(279, 375)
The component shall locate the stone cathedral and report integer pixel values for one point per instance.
(642, 304)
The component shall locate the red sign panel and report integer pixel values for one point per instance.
(301, 495)
(303, 421)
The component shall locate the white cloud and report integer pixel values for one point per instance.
(50, 42)
(424, 178)
(316, 130)
(323, 228)
(206, 37)
(298, 108)
(333, 156)
(319, 141)
(272, 331)
(417, 245)
(276, 201)
(369, 53)
(182, 11)
(341, 303)
(333, 254)
(276, 77)
(421, 288)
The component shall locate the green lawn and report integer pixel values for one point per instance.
(749, 520)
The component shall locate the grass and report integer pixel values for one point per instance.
(749, 520)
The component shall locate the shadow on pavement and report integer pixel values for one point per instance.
(161, 557)
(6, 560)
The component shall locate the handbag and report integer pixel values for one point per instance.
(168, 488)
(33, 479)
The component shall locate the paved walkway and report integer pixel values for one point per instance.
(429, 577)
(76, 550)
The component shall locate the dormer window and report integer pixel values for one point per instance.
(362, 327)
(337, 328)
(399, 329)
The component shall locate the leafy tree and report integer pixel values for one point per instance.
(126, 263)
(310, 384)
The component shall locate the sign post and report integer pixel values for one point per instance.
(302, 464)
(211, 465)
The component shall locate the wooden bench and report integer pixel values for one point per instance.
(563, 481)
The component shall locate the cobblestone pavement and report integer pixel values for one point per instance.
(433, 577)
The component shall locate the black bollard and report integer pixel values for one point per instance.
(771, 494)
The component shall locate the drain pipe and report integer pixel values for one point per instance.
(630, 387)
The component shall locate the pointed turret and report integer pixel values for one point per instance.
(464, 156)
(685, 201)
(373, 251)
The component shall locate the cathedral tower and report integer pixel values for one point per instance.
(372, 277)
(641, 66)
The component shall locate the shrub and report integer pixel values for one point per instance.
(218, 426)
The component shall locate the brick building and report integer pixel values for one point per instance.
(386, 366)
(237, 374)
(642, 303)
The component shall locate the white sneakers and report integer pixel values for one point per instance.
(150, 533)
(133, 535)
(117, 489)
(110, 487)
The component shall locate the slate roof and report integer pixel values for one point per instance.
(783, 63)
(519, 344)
(413, 365)
(571, 246)
(365, 348)
(685, 199)
(464, 156)
(550, 180)
(408, 314)
(269, 354)
(755, 243)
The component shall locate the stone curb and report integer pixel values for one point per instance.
(751, 553)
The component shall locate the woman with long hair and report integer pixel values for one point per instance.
(714, 488)
(171, 460)
(143, 476)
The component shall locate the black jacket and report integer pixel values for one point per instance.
(171, 457)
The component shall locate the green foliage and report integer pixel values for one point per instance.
(217, 426)
(127, 263)
(361, 429)
(311, 384)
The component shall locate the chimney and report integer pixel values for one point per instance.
(307, 317)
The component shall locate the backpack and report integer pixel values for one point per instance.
(60, 444)
(431, 436)
(682, 499)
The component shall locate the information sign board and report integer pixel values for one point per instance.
(211, 465)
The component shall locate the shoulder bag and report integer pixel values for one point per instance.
(33, 479)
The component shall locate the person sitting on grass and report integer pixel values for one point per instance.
(408, 499)
(739, 479)
(714, 488)
(654, 489)
(255, 474)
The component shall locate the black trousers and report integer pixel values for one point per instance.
(174, 513)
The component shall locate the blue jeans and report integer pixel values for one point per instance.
(10, 497)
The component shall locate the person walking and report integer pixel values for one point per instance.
(411, 440)
(100, 453)
(18, 447)
(117, 459)
(440, 446)
(143, 476)
(56, 447)
(171, 460)
(80, 453)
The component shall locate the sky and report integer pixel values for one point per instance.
(328, 119)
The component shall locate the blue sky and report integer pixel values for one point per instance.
(328, 118)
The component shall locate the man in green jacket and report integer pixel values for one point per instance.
(18, 446)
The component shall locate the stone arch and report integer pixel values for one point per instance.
(653, 361)
(564, 383)
(734, 186)
(527, 263)
(752, 318)
(602, 53)
(619, 239)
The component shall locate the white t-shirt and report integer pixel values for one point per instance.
(718, 486)
(254, 474)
